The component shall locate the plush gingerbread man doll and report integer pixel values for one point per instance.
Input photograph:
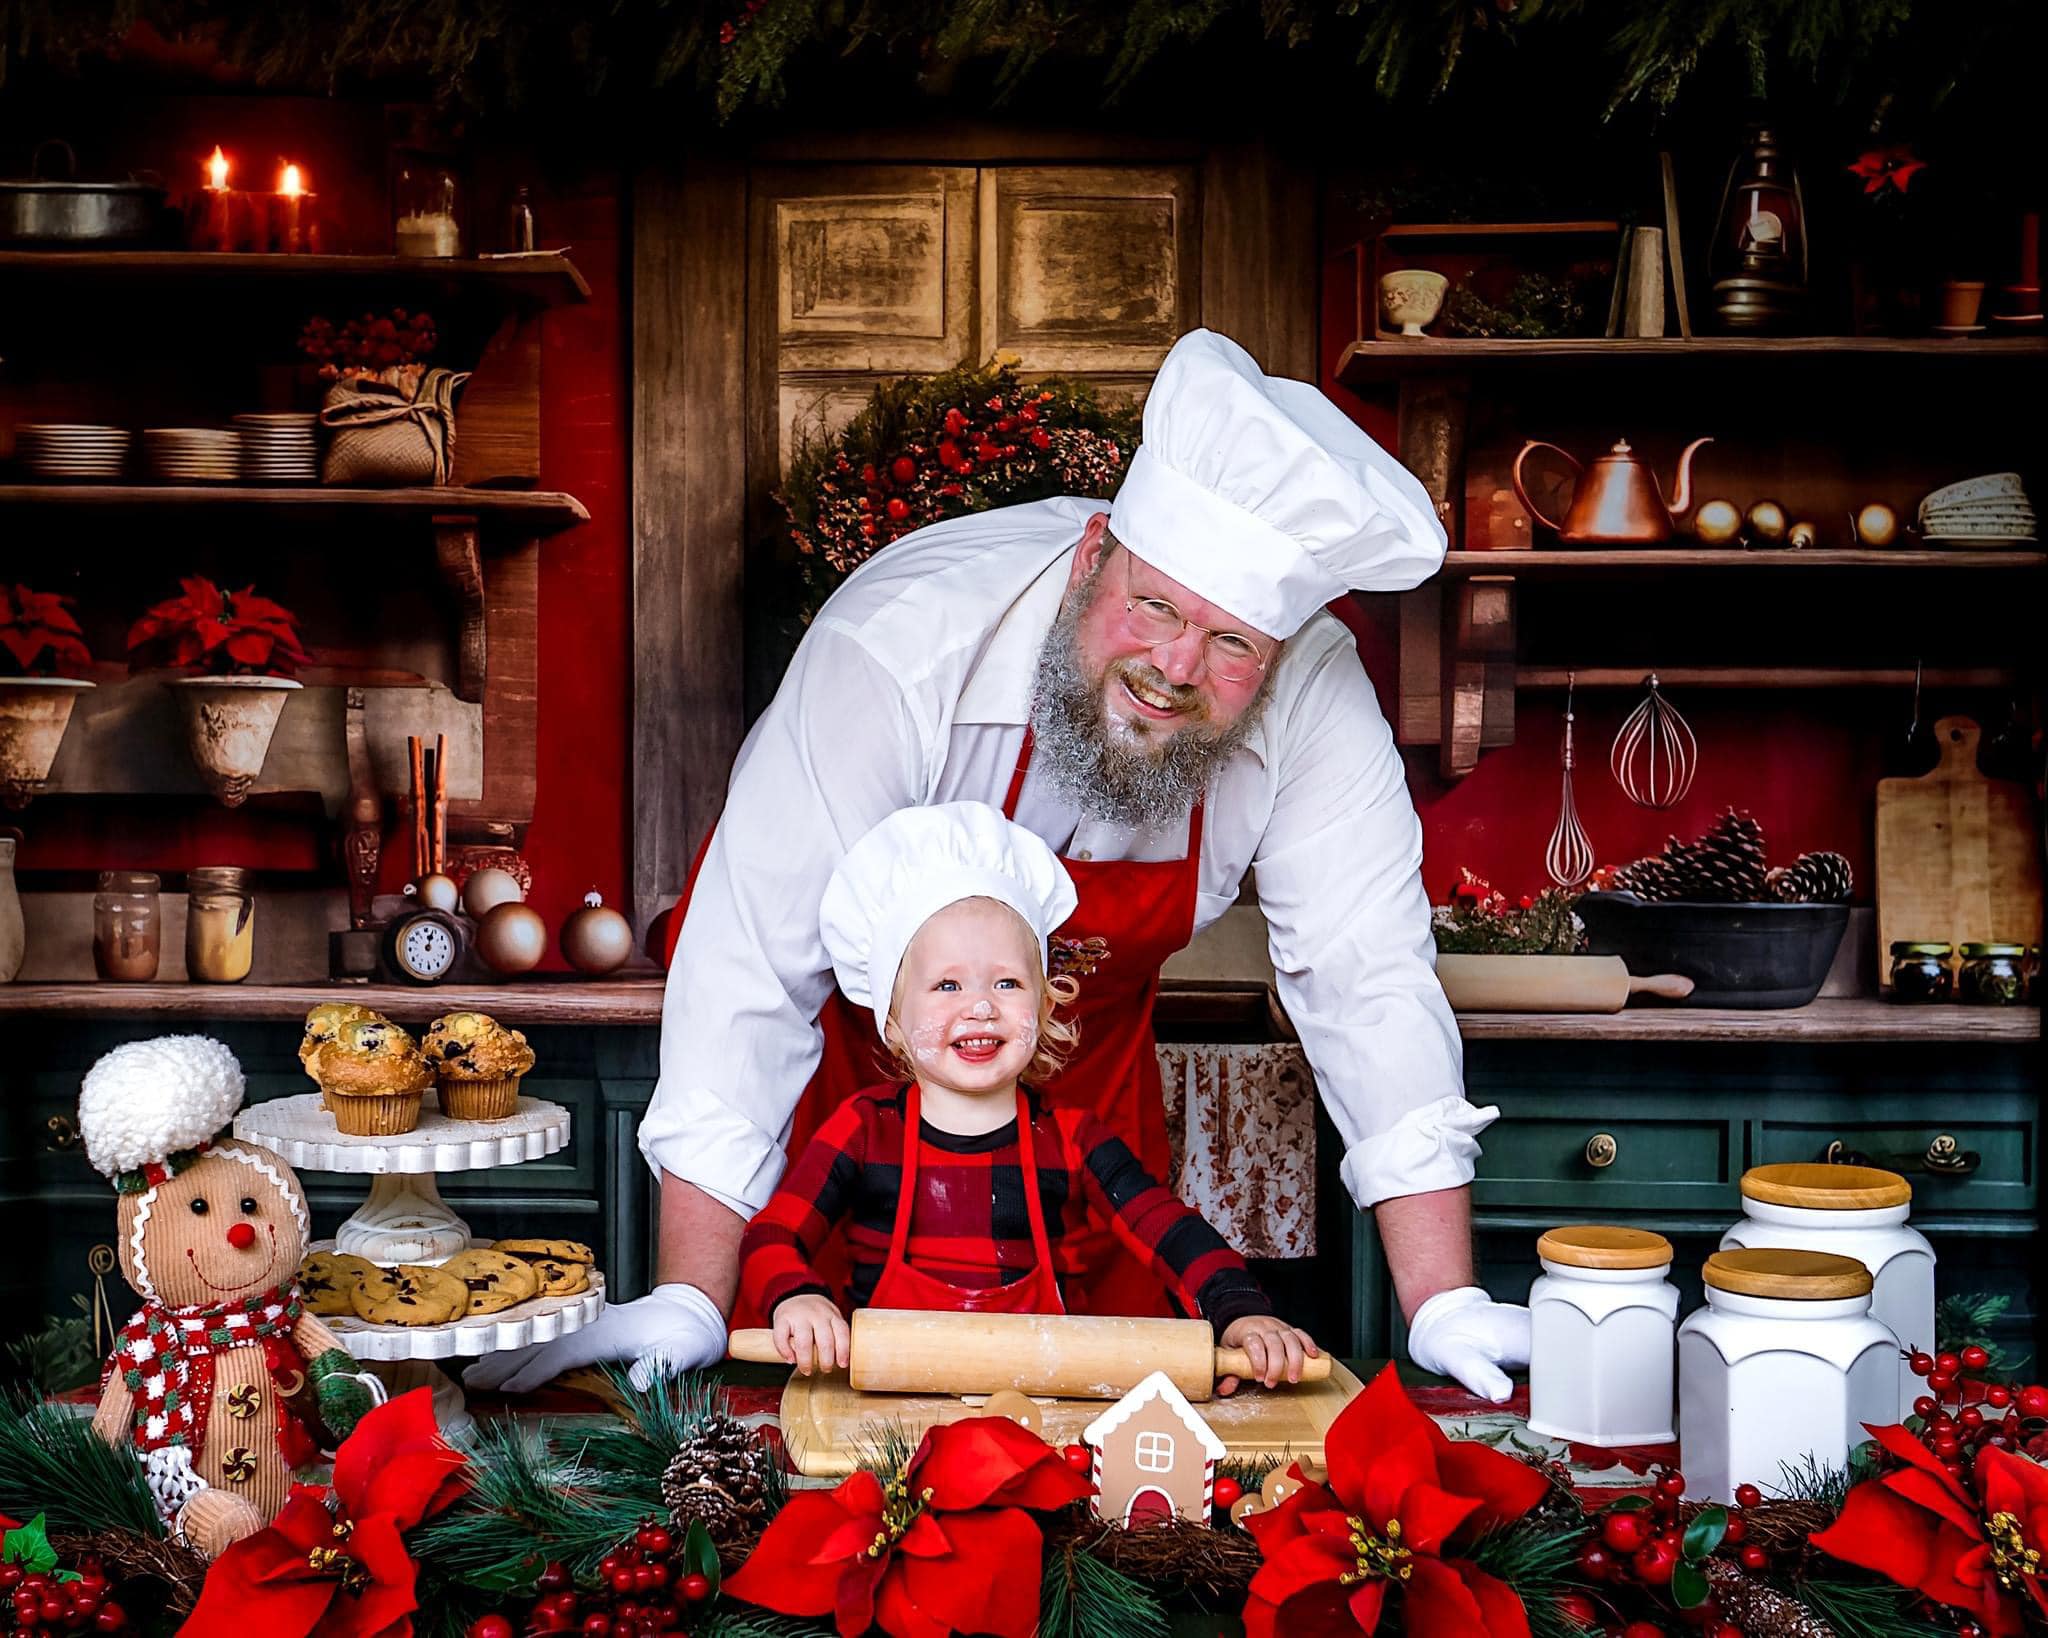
(221, 1382)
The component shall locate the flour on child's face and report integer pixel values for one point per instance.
(967, 998)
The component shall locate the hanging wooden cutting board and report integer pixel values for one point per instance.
(1958, 855)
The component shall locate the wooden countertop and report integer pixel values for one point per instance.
(637, 1001)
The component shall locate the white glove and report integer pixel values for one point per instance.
(672, 1328)
(1467, 1335)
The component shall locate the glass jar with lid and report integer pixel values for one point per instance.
(127, 926)
(220, 924)
(424, 219)
(1993, 975)
(1784, 1366)
(1601, 1325)
(1921, 971)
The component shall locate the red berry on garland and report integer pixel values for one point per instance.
(1947, 1446)
(1754, 1557)
(903, 469)
(553, 1578)
(1079, 1457)
(898, 508)
(1624, 1532)
(1578, 1609)
(1925, 1406)
(1040, 439)
(1642, 1629)
(1921, 1364)
(867, 474)
(956, 423)
(1672, 1485)
(1654, 1563)
(2034, 1400)
(1596, 1563)
(1747, 1495)
(1970, 1416)
(1737, 1530)
(597, 1626)
(1998, 1396)
(949, 454)
(696, 1586)
(1949, 1362)
(622, 1579)
(484, 1626)
(1975, 1358)
(112, 1618)
(1725, 1629)
(1943, 1384)
(1225, 1492)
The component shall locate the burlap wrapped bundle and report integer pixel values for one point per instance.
(392, 429)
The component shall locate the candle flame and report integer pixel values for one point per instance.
(217, 168)
(289, 185)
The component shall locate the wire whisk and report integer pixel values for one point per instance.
(1655, 754)
(1569, 859)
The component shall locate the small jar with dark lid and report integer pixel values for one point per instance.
(1993, 975)
(1921, 971)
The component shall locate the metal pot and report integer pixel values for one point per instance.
(45, 211)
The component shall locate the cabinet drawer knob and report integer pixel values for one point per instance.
(63, 1132)
(1601, 1149)
(1946, 1155)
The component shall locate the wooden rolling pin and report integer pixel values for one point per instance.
(1072, 1356)
(1530, 983)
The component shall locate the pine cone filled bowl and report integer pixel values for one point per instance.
(1753, 955)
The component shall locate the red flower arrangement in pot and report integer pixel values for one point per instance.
(41, 647)
(243, 649)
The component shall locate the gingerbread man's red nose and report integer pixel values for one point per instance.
(241, 1236)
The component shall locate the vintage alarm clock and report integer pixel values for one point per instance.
(422, 945)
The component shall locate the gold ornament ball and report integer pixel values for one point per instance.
(487, 889)
(435, 891)
(596, 939)
(1801, 536)
(1765, 523)
(512, 938)
(1716, 523)
(1877, 525)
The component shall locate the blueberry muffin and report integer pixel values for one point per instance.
(479, 1063)
(371, 1076)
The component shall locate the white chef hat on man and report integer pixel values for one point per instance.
(1261, 495)
(910, 867)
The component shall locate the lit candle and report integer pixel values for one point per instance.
(212, 225)
(291, 203)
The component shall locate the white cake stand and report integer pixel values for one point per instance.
(405, 1220)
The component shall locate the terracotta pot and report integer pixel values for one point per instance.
(34, 712)
(228, 724)
(1961, 299)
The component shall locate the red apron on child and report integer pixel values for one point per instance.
(902, 1286)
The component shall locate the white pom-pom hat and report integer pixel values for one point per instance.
(909, 868)
(149, 1107)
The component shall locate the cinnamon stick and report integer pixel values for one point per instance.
(440, 831)
(417, 792)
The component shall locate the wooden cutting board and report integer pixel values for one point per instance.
(829, 1425)
(1958, 855)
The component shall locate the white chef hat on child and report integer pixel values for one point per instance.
(1263, 496)
(911, 866)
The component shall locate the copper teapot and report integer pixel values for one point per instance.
(1617, 501)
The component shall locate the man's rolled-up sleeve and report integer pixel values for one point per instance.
(1339, 879)
(837, 751)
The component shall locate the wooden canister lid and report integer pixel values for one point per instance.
(1600, 1245)
(1820, 1187)
(1802, 1276)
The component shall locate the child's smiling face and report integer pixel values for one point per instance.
(967, 997)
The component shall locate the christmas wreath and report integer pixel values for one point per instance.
(675, 1518)
(930, 447)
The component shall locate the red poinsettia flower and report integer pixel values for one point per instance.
(1893, 167)
(1402, 1499)
(341, 1571)
(1918, 1526)
(943, 1547)
(221, 633)
(38, 633)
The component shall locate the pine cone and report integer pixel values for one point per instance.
(1653, 878)
(1759, 1611)
(1813, 878)
(1726, 866)
(719, 1475)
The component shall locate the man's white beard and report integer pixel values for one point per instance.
(1123, 771)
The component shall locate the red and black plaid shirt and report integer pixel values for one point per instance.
(969, 1224)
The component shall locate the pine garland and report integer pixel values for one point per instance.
(51, 1462)
(1083, 1596)
(1540, 1562)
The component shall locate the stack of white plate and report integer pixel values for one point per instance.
(54, 450)
(193, 454)
(279, 449)
(1989, 511)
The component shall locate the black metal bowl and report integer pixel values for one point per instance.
(1737, 955)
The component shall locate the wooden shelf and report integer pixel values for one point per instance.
(529, 511)
(543, 277)
(1366, 363)
(1767, 676)
(1818, 1023)
(1688, 559)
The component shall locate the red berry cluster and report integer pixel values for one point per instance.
(1961, 1413)
(368, 343)
(729, 30)
(1643, 1546)
(40, 1602)
(638, 1595)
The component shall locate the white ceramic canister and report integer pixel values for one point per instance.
(1784, 1365)
(1602, 1321)
(1852, 1211)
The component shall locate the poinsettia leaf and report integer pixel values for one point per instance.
(1628, 1504)
(1689, 1586)
(23, 645)
(700, 1554)
(204, 596)
(251, 647)
(29, 1546)
(1704, 1534)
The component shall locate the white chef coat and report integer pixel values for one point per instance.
(913, 685)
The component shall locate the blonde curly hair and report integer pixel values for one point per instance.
(1057, 1036)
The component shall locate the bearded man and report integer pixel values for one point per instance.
(1159, 693)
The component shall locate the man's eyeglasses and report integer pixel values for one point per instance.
(1230, 655)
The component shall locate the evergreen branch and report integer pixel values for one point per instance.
(1082, 1597)
(1861, 1609)
(1538, 1562)
(1809, 1480)
(51, 1462)
(742, 1622)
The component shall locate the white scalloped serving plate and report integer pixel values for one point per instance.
(305, 1135)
